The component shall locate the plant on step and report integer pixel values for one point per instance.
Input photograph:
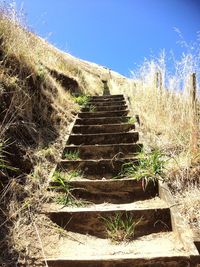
(121, 226)
(65, 198)
(72, 155)
(132, 120)
(66, 176)
(92, 108)
(82, 100)
(150, 167)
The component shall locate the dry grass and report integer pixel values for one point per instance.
(170, 121)
(36, 94)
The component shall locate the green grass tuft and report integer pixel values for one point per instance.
(121, 226)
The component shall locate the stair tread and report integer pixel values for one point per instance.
(109, 134)
(99, 160)
(157, 245)
(153, 203)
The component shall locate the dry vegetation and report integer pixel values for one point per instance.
(36, 94)
(170, 122)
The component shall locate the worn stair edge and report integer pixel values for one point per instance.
(178, 225)
(152, 220)
(107, 261)
(102, 128)
(103, 138)
(102, 120)
(103, 114)
(103, 151)
(114, 191)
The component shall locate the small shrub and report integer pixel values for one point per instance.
(82, 100)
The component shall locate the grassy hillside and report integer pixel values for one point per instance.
(37, 88)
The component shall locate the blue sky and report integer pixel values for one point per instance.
(118, 34)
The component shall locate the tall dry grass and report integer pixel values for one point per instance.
(164, 101)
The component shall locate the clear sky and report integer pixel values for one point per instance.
(114, 33)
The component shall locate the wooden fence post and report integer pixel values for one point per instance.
(158, 80)
(193, 96)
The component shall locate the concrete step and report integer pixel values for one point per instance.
(101, 167)
(103, 138)
(89, 220)
(103, 151)
(104, 128)
(104, 108)
(102, 120)
(111, 191)
(103, 114)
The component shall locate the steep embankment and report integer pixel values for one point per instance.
(37, 88)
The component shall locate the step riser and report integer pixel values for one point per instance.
(91, 222)
(99, 121)
(103, 167)
(111, 103)
(112, 191)
(152, 262)
(91, 129)
(104, 138)
(106, 96)
(107, 100)
(97, 152)
(105, 108)
(103, 114)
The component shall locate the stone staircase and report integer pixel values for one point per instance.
(105, 139)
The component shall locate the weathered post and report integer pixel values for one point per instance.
(193, 99)
(158, 80)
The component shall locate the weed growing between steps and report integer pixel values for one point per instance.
(149, 168)
(66, 176)
(82, 100)
(71, 155)
(132, 120)
(121, 227)
(92, 108)
(65, 196)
